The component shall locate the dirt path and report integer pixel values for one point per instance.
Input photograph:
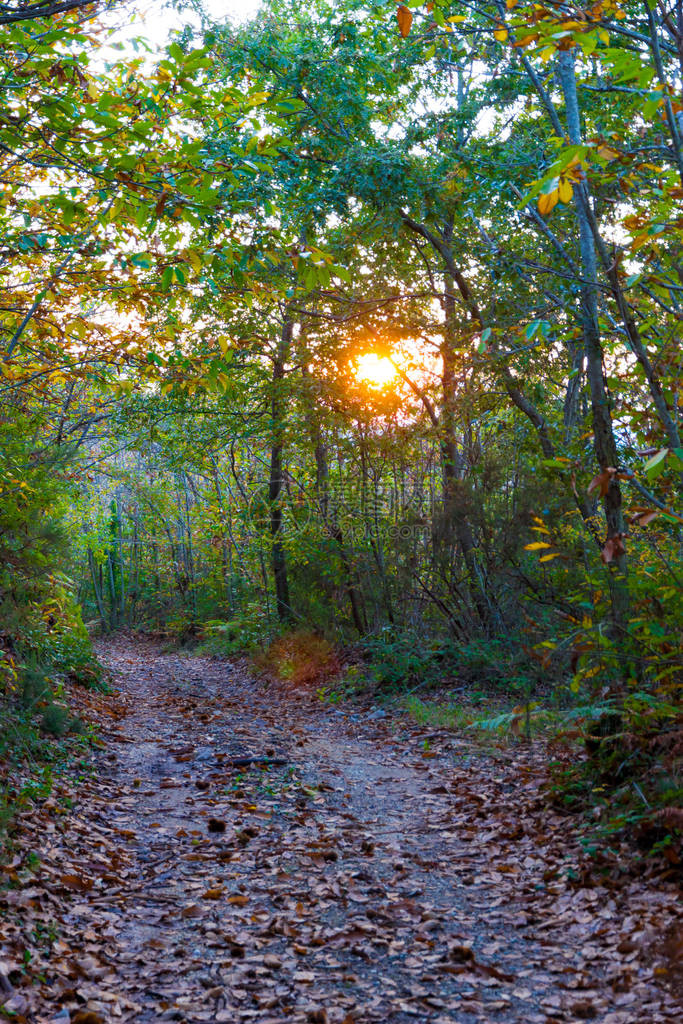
(366, 879)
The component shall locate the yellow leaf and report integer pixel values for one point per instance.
(405, 20)
(549, 558)
(565, 191)
(639, 241)
(548, 202)
(527, 40)
(536, 546)
(193, 259)
(501, 34)
(510, 4)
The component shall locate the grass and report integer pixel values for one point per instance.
(438, 715)
(491, 717)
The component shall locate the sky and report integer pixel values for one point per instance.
(156, 21)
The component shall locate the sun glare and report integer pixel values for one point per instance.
(377, 371)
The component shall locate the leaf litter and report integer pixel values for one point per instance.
(240, 852)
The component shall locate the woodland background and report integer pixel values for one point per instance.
(201, 245)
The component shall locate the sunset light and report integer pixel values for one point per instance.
(377, 371)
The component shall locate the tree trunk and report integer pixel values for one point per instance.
(97, 589)
(453, 490)
(604, 441)
(189, 549)
(226, 553)
(278, 557)
(322, 487)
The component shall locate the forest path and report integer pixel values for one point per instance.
(365, 880)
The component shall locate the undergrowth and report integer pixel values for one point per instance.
(242, 634)
(394, 661)
(631, 778)
(304, 659)
(42, 649)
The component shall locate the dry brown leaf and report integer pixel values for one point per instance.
(238, 900)
(405, 20)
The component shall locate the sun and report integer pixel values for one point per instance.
(377, 371)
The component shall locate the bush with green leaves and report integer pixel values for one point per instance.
(246, 632)
(399, 660)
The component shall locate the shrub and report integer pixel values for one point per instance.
(243, 633)
(303, 658)
(398, 661)
(56, 720)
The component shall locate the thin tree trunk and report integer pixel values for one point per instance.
(604, 441)
(121, 561)
(113, 610)
(189, 548)
(226, 554)
(278, 556)
(454, 492)
(97, 588)
(322, 486)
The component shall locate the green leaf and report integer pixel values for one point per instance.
(678, 455)
(652, 463)
(141, 260)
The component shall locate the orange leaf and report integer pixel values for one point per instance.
(212, 894)
(607, 553)
(645, 517)
(602, 480)
(405, 20)
(613, 548)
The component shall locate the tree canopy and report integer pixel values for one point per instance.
(356, 318)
